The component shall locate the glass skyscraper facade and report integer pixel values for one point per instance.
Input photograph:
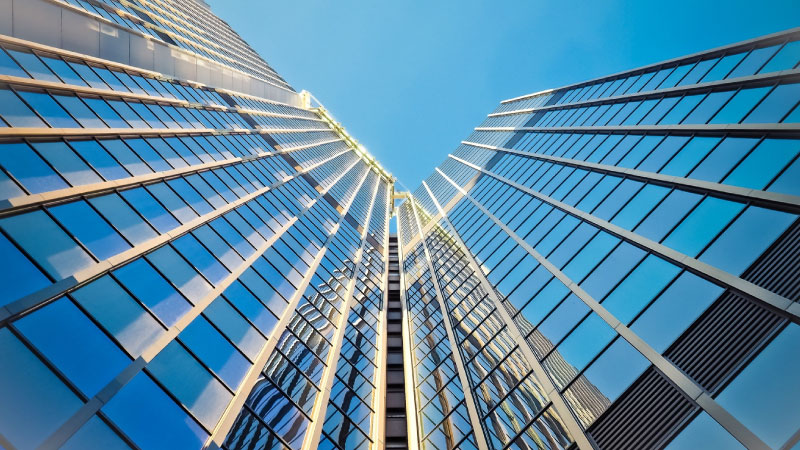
(614, 264)
(197, 256)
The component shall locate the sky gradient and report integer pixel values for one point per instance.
(411, 79)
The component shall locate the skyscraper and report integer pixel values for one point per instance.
(195, 255)
(614, 264)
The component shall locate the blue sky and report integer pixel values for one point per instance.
(410, 79)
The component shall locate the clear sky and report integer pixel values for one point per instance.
(411, 78)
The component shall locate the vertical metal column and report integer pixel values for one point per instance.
(396, 416)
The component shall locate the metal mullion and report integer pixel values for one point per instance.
(688, 386)
(750, 290)
(737, 129)
(757, 79)
(67, 132)
(229, 416)
(312, 436)
(435, 395)
(441, 422)
(46, 294)
(551, 392)
(469, 400)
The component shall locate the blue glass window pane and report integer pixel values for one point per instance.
(724, 67)
(612, 269)
(151, 419)
(63, 70)
(123, 218)
(789, 181)
(583, 344)
(109, 116)
(95, 434)
(746, 239)
(10, 67)
(88, 75)
(708, 107)
(172, 202)
(740, 105)
(218, 247)
(29, 169)
(235, 327)
(119, 314)
(640, 151)
(667, 214)
(704, 432)
(128, 114)
(753, 62)
(153, 290)
(201, 259)
(765, 395)
(80, 111)
(559, 323)
(763, 163)
(190, 196)
(99, 159)
(166, 152)
(217, 353)
(66, 162)
(688, 157)
(90, 229)
(682, 109)
(146, 114)
(723, 158)
(587, 259)
(146, 152)
(150, 209)
(49, 246)
(74, 344)
(786, 58)
(776, 105)
(51, 111)
(639, 287)
(34, 66)
(663, 153)
(110, 79)
(639, 206)
(617, 199)
(18, 276)
(180, 273)
(545, 301)
(126, 157)
(16, 113)
(612, 373)
(250, 307)
(8, 188)
(35, 402)
(674, 310)
(193, 386)
(702, 225)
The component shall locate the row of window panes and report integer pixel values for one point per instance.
(774, 58)
(763, 164)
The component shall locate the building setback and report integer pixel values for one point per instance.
(197, 256)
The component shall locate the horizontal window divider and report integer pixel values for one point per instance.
(770, 39)
(764, 79)
(784, 202)
(36, 299)
(666, 367)
(26, 202)
(755, 129)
